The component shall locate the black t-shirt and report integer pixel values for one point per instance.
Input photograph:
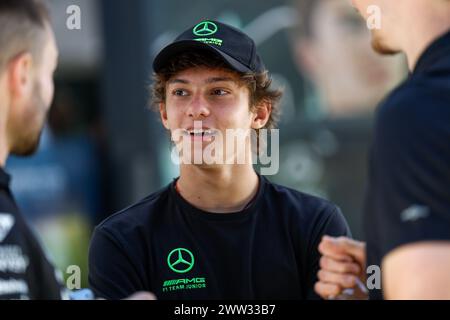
(328, 158)
(25, 272)
(165, 245)
(409, 193)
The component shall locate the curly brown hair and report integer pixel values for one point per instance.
(259, 84)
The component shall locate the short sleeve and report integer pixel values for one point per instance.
(330, 222)
(409, 190)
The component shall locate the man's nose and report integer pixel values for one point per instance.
(198, 107)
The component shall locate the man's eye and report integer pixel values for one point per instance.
(219, 92)
(180, 92)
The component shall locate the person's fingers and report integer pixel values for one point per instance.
(334, 252)
(341, 247)
(327, 290)
(343, 280)
(142, 295)
(355, 248)
(330, 264)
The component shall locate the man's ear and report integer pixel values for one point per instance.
(20, 75)
(163, 114)
(261, 114)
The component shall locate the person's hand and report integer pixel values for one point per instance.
(342, 269)
(141, 295)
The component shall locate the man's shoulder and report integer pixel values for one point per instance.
(137, 214)
(417, 96)
(311, 214)
(416, 106)
(7, 203)
(303, 203)
(12, 224)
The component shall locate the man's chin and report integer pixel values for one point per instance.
(27, 149)
(380, 47)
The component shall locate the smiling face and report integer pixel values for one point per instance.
(216, 97)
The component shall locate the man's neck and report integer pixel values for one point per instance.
(224, 189)
(4, 148)
(423, 35)
(3, 155)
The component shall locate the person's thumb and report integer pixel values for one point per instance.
(342, 248)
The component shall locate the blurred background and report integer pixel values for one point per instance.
(102, 148)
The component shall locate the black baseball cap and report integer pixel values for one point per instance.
(230, 44)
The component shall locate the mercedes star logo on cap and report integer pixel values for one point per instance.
(205, 28)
